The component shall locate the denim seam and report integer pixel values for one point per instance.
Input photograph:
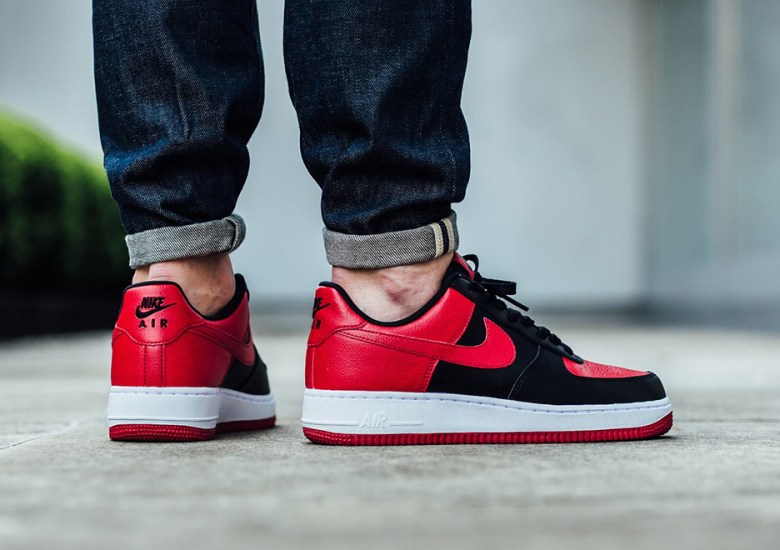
(260, 64)
(447, 59)
(392, 248)
(186, 241)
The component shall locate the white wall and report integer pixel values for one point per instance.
(555, 105)
(716, 232)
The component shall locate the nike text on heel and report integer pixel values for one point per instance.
(398, 418)
(183, 413)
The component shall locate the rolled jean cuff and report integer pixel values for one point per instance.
(186, 241)
(394, 248)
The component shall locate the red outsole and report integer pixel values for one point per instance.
(243, 425)
(159, 432)
(650, 431)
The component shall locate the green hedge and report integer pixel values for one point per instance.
(59, 227)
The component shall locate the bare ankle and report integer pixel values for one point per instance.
(208, 281)
(393, 293)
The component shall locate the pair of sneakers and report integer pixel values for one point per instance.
(466, 368)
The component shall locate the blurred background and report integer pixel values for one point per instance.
(628, 147)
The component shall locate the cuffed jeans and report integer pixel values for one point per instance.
(376, 85)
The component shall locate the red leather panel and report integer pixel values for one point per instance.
(589, 369)
(128, 366)
(495, 352)
(154, 365)
(343, 355)
(159, 340)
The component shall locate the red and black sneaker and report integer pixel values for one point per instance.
(177, 375)
(464, 369)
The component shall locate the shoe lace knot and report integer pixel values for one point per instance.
(497, 292)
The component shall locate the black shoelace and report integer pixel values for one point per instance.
(494, 291)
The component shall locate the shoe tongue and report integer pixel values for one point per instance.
(459, 265)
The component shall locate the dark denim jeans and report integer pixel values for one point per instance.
(376, 85)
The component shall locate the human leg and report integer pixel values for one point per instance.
(406, 346)
(377, 87)
(180, 89)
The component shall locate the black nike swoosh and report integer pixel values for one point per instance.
(142, 314)
(318, 309)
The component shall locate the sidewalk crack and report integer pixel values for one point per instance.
(64, 429)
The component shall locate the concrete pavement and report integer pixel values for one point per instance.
(713, 483)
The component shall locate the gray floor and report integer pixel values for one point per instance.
(713, 483)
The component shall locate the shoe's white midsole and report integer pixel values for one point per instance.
(365, 412)
(196, 407)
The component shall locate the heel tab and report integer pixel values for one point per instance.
(155, 312)
(332, 310)
(228, 310)
(333, 292)
(329, 294)
(144, 287)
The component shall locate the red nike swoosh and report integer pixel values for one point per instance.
(495, 352)
(243, 350)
